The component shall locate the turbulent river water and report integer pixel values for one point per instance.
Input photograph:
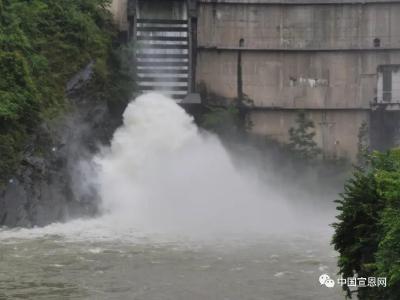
(180, 220)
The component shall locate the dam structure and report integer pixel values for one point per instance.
(337, 60)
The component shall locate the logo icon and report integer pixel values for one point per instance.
(324, 279)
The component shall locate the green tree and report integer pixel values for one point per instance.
(301, 138)
(367, 233)
(388, 253)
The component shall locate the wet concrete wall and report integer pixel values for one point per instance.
(330, 80)
(320, 58)
(119, 9)
(299, 26)
(336, 130)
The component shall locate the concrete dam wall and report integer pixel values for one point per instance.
(337, 60)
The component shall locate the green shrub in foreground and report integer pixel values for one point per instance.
(367, 233)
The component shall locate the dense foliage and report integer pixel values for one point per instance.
(367, 234)
(222, 120)
(42, 44)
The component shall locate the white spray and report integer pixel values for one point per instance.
(162, 174)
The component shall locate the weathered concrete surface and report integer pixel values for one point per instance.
(218, 72)
(119, 9)
(320, 58)
(312, 26)
(336, 130)
(331, 80)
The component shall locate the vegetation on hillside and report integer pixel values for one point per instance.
(43, 43)
(367, 233)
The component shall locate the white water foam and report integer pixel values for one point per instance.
(162, 174)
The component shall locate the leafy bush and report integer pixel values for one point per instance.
(222, 120)
(367, 234)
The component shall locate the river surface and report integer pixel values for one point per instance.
(59, 263)
(227, 228)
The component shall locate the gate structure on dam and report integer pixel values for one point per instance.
(337, 60)
(162, 32)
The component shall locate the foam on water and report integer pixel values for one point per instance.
(165, 188)
(162, 174)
